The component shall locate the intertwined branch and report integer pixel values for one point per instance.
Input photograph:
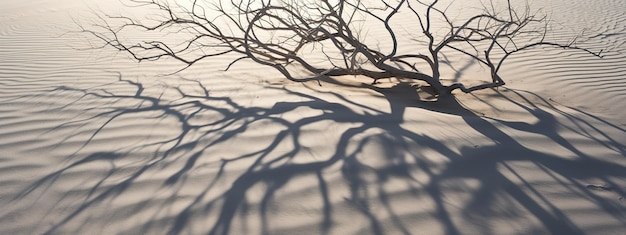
(283, 34)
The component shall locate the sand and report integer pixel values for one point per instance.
(94, 143)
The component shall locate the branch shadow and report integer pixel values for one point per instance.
(245, 184)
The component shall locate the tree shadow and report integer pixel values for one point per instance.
(247, 182)
(568, 171)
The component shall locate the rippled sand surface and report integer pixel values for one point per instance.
(94, 143)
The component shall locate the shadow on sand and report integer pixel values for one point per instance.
(207, 122)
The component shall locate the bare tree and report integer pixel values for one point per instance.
(286, 34)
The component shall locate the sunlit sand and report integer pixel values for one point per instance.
(93, 143)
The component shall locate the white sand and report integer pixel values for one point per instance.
(93, 143)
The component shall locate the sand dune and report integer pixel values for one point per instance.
(93, 143)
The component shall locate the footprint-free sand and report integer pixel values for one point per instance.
(92, 142)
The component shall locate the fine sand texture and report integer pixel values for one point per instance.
(92, 142)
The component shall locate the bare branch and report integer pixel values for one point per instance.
(275, 34)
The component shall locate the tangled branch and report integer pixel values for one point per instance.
(282, 34)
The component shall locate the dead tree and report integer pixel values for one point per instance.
(284, 34)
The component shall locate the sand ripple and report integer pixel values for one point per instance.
(91, 143)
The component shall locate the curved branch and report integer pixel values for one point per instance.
(274, 33)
